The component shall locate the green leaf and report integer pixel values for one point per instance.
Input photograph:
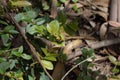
(113, 59)
(3, 22)
(4, 66)
(25, 56)
(74, 1)
(50, 58)
(115, 70)
(53, 27)
(62, 17)
(30, 77)
(20, 50)
(26, 16)
(63, 1)
(21, 3)
(5, 38)
(16, 53)
(44, 77)
(12, 63)
(40, 21)
(19, 17)
(31, 30)
(2, 59)
(40, 29)
(47, 64)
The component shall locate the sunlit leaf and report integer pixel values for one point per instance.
(50, 58)
(25, 56)
(21, 3)
(47, 64)
(112, 59)
(53, 27)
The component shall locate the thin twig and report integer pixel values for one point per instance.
(75, 67)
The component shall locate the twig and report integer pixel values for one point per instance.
(33, 51)
(75, 67)
(105, 43)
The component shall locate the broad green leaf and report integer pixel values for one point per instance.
(21, 3)
(53, 27)
(43, 77)
(47, 64)
(20, 50)
(4, 66)
(5, 38)
(25, 56)
(45, 6)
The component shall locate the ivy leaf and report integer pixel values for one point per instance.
(53, 27)
(44, 77)
(16, 53)
(47, 64)
(25, 56)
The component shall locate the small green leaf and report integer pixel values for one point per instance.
(3, 22)
(62, 17)
(19, 17)
(16, 53)
(12, 63)
(30, 77)
(25, 56)
(47, 64)
(2, 59)
(20, 50)
(21, 3)
(5, 38)
(50, 58)
(53, 27)
(112, 59)
(44, 77)
(115, 70)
